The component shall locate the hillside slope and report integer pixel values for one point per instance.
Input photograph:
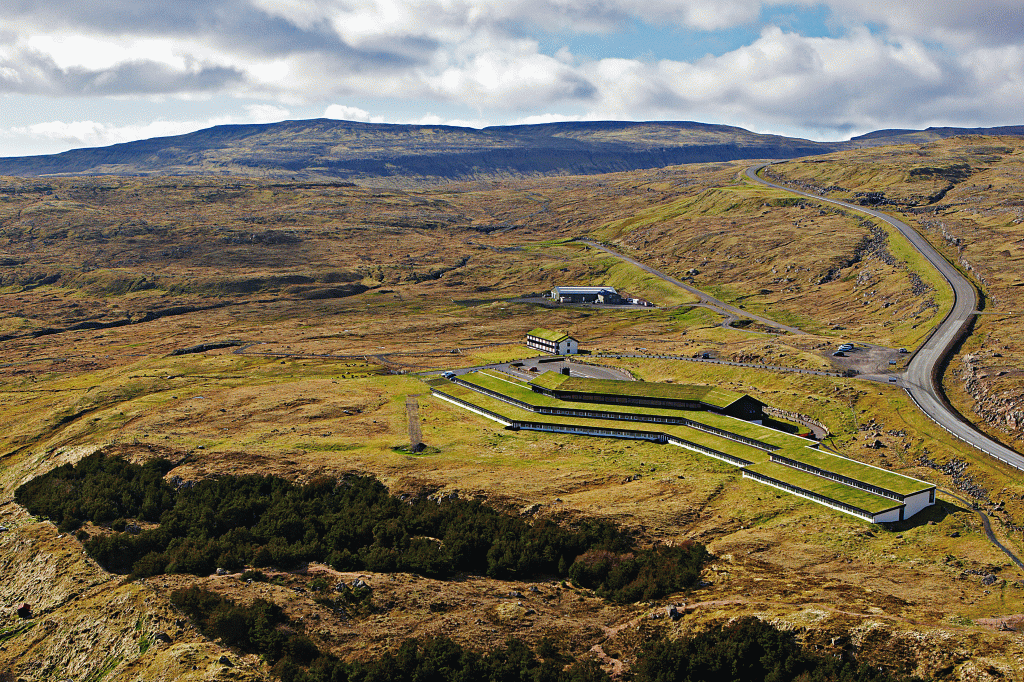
(348, 150)
(417, 155)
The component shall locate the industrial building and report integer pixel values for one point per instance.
(604, 295)
(649, 394)
(548, 341)
(704, 419)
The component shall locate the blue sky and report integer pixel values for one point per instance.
(78, 74)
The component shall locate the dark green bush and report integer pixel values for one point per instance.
(744, 650)
(352, 524)
(747, 650)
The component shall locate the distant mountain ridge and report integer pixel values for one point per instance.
(328, 149)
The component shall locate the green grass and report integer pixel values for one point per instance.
(13, 631)
(548, 334)
(513, 413)
(897, 483)
(518, 390)
(709, 395)
(631, 279)
(833, 490)
(104, 670)
(504, 353)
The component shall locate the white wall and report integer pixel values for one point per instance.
(816, 501)
(916, 503)
(891, 515)
(568, 347)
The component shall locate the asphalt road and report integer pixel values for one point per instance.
(730, 312)
(921, 378)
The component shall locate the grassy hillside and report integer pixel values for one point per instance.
(389, 155)
(965, 195)
(410, 155)
(237, 326)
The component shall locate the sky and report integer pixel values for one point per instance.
(77, 73)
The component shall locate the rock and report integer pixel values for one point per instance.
(224, 660)
(507, 612)
(221, 571)
(989, 579)
(162, 637)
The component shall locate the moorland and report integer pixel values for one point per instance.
(212, 328)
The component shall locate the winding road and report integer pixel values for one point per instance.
(921, 380)
(730, 312)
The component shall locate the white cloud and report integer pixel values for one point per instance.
(346, 113)
(537, 119)
(266, 113)
(93, 133)
(482, 62)
(435, 120)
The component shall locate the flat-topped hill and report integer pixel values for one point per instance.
(397, 154)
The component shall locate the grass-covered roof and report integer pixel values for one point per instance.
(833, 490)
(709, 395)
(548, 334)
(858, 471)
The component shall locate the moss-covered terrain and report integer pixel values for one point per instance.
(238, 326)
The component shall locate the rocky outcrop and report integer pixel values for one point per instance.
(1003, 410)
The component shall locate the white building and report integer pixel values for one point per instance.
(548, 341)
(605, 295)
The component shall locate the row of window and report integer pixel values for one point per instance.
(856, 511)
(619, 416)
(837, 477)
(708, 451)
(637, 435)
(463, 403)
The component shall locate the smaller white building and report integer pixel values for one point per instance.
(548, 341)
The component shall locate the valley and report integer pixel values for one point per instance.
(239, 325)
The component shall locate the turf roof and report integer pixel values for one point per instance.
(709, 395)
(513, 413)
(833, 490)
(858, 471)
(548, 334)
(518, 390)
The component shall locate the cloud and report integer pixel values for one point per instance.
(266, 113)
(899, 63)
(93, 133)
(346, 113)
(961, 24)
(858, 81)
(537, 119)
(31, 72)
